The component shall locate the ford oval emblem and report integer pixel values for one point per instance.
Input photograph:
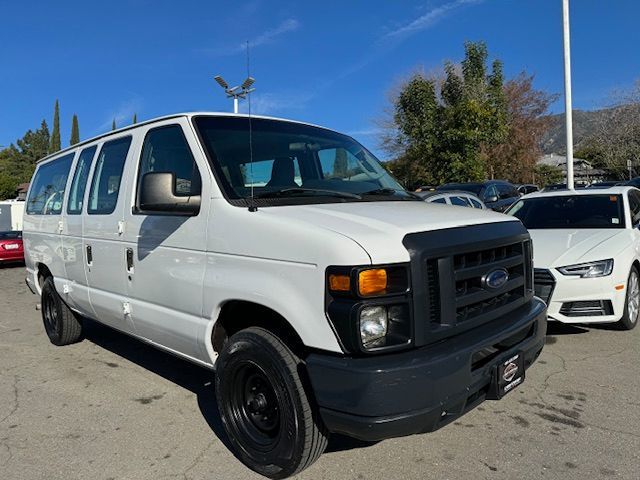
(496, 278)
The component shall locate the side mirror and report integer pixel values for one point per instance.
(157, 195)
(491, 199)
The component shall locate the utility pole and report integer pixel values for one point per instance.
(567, 92)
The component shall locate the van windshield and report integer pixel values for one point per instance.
(283, 163)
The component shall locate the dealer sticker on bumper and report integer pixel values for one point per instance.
(510, 374)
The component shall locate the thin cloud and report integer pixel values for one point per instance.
(123, 115)
(274, 103)
(427, 20)
(268, 36)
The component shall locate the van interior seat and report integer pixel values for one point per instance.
(282, 173)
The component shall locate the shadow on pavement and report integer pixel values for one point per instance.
(194, 378)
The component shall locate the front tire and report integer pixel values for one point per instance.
(62, 325)
(632, 301)
(271, 422)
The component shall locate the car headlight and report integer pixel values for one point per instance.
(600, 268)
(373, 325)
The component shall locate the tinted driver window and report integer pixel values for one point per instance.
(165, 149)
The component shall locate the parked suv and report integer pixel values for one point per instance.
(497, 195)
(282, 255)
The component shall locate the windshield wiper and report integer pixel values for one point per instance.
(300, 191)
(380, 191)
(391, 191)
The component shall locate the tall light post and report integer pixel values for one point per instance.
(241, 91)
(567, 92)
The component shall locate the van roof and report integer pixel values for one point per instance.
(167, 117)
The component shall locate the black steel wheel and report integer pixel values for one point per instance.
(62, 325)
(267, 414)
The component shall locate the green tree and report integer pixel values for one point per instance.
(17, 162)
(75, 131)
(548, 174)
(441, 130)
(113, 124)
(135, 118)
(55, 133)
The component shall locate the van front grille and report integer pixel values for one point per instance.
(456, 273)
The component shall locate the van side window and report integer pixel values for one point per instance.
(79, 183)
(47, 191)
(107, 175)
(165, 149)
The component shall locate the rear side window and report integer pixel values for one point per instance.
(439, 200)
(107, 176)
(459, 201)
(475, 203)
(79, 183)
(47, 191)
(166, 149)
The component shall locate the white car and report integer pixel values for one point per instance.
(586, 253)
(456, 198)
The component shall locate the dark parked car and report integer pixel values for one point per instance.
(634, 182)
(527, 188)
(497, 195)
(606, 184)
(560, 186)
(11, 247)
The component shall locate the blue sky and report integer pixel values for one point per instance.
(328, 62)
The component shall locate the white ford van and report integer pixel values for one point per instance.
(282, 255)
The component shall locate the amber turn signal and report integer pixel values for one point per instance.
(339, 283)
(372, 282)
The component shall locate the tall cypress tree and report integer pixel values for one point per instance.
(113, 124)
(55, 133)
(135, 118)
(75, 131)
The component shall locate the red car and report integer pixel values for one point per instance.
(11, 247)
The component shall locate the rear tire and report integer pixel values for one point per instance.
(629, 318)
(270, 420)
(62, 325)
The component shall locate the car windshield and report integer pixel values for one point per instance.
(570, 211)
(277, 163)
(465, 187)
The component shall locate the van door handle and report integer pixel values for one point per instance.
(89, 255)
(129, 256)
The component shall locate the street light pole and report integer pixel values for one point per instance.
(240, 91)
(567, 92)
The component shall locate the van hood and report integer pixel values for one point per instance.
(562, 247)
(379, 227)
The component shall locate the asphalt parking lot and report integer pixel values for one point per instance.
(113, 408)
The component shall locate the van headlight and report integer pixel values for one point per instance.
(600, 268)
(373, 325)
(369, 307)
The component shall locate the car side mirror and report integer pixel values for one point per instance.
(491, 199)
(157, 195)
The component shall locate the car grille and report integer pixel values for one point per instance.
(450, 286)
(544, 283)
(587, 308)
